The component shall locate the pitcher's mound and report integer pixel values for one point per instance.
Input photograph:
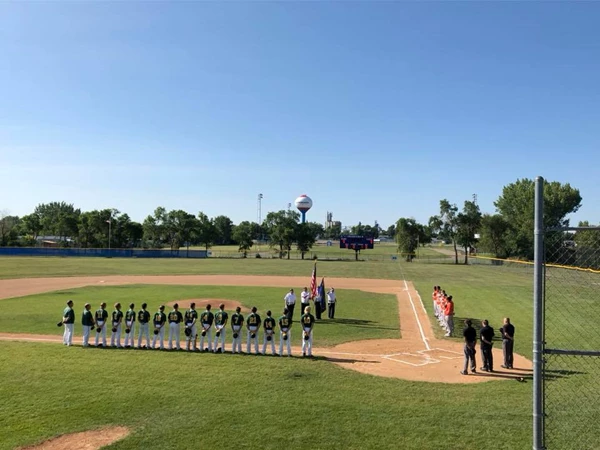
(86, 440)
(201, 303)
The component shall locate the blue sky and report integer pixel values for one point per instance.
(375, 110)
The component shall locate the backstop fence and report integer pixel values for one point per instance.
(566, 351)
(102, 252)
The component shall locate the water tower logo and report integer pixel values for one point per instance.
(303, 203)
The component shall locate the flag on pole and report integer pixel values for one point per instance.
(322, 294)
(313, 282)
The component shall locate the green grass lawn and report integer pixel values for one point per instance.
(182, 401)
(360, 315)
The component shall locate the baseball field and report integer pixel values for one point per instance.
(383, 377)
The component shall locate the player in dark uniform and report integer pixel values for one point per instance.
(470, 336)
(508, 342)
(129, 326)
(143, 319)
(206, 322)
(191, 317)
(285, 332)
(117, 320)
(269, 325)
(87, 323)
(175, 319)
(159, 320)
(308, 321)
(253, 323)
(237, 322)
(221, 318)
(486, 335)
(68, 322)
(100, 318)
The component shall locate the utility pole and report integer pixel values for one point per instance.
(259, 217)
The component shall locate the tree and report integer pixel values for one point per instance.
(281, 228)
(358, 230)
(306, 236)
(244, 234)
(59, 219)
(424, 234)
(179, 228)
(469, 222)
(333, 232)
(407, 237)
(205, 231)
(9, 226)
(516, 204)
(587, 238)
(224, 230)
(31, 226)
(446, 224)
(391, 231)
(494, 235)
(154, 228)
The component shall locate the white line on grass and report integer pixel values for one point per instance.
(416, 316)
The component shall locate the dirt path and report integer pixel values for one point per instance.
(86, 440)
(418, 355)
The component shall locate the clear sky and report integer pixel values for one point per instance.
(376, 110)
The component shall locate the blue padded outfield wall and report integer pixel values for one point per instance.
(102, 252)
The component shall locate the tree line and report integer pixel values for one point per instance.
(509, 232)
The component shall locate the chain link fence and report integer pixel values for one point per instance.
(571, 362)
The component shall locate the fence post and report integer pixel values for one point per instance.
(538, 318)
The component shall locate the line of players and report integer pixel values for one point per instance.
(443, 307)
(206, 322)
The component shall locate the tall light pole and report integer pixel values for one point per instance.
(259, 217)
(109, 232)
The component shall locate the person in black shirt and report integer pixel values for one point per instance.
(508, 341)
(470, 336)
(486, 335)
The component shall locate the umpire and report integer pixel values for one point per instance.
(470, 336)
(508, 343)
(486, 335)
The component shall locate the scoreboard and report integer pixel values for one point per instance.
(356, 242)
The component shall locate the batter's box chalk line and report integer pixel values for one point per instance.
(426, 359)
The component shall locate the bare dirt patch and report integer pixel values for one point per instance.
(418, 355)
(86, 440)
(230, 305)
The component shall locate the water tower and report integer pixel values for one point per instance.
(303, 203)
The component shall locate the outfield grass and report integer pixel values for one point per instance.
(360, 315)
(181, 401)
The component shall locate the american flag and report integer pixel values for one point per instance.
(313, 282)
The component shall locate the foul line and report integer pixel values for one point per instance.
(416, 316)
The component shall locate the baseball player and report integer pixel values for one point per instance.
(285, 333)
(160, 319)
(308, 321)
(175, 318)
(331, 301)
(100, 319)
(237, 321)
(269, 326)
(143, 319)
(253, 323)
(68, 321)
(290, 302)
(117, 319)
(191, 317)
(87, 324)
(206, 321)
(449, 317)
(220, 323)
(129, 326)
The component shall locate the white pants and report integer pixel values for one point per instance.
(221, 337)
(143, 332)
(307, 344)
(191, 339)
(272, 342)
(250, 339)
(449, 324)
(115, 337)
(161, 336)
(129, 336)
(237, 341)
(68, 334)
(174, 333)
(288, 342)
(102, 326)
(208, 337)
(86, 335)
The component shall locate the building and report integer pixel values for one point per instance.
(330, 223)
